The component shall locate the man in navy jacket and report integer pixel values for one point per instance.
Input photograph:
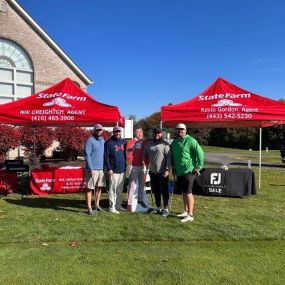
(115, 164)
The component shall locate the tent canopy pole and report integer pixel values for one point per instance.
(34, 133)
(260, 148)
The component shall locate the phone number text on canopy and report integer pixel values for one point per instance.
(52, 118)
(229, 116)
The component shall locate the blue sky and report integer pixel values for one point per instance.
(142, 54)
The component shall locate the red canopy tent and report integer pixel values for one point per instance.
(62, 104)
(224, 105)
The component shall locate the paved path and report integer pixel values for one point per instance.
(219, 158)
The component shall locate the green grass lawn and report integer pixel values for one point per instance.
(272, 156)
(231, 241)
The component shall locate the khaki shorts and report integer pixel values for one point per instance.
(98, 179)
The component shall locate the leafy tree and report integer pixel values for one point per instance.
(135, 121)
(40, 137)
(201, 135)
(71, 140)
(10, 138)
(273, 136)
(106, 135)
(148, 123)
(234, 137)
(133, 117)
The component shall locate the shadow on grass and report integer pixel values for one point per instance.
(70, 205)
(277, 185)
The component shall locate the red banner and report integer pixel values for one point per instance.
(57, 180)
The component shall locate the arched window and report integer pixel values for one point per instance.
(16, 72)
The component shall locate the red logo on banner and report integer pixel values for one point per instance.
(119, 148)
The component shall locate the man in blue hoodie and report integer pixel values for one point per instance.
(115, 164)
(94, 175)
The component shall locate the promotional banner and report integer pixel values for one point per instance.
(57, 180)
(229, 183)
(224, 105)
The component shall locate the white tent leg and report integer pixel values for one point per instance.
(34, 150)
(160, 124)
(260, 147)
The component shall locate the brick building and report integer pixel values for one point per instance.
(30, 60)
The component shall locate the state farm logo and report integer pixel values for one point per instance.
(224, 96)
(226, 102)
(45, 187)
(62, 95)
(57, 101)
(215, 178)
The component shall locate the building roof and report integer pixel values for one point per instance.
(50, 41)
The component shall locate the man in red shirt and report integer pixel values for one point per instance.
(135, 148)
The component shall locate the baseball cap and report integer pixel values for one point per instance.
(98, 127)
(117, 129)
(157, 130)
(181, 126)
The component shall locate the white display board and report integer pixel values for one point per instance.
(127, 131)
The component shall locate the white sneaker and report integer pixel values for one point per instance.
(114, 211)
(183, 215)
(165, 213)
(188, 218)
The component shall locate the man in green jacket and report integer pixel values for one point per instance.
(187, 161)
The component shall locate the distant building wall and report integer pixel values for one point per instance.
(48, 66)
(20, 39)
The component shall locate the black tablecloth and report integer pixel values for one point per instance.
(219, 182)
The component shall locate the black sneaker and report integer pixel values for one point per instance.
(142, 203)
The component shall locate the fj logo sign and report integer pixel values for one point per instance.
(216, 178)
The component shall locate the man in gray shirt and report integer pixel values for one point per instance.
(157, 152)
